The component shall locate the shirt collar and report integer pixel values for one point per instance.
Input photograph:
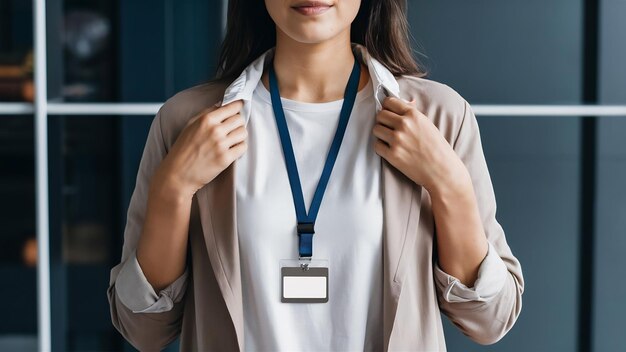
(383, 81)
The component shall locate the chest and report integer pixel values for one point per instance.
(352, 202)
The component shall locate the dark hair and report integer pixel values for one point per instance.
(380, 25)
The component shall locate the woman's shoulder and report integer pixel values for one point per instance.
(432, 94)
(185, 104)
(442, 104)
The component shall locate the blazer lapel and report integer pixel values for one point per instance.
(401, 210)
(216, 203)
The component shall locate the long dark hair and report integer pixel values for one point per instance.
(380, 25)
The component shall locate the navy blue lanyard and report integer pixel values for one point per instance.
(306, 221)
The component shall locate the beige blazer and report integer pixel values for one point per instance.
(204, 306)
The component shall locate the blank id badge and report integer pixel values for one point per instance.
(304, 280)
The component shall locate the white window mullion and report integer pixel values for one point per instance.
(138, 109)
(549, 110)
(103, 108)
(41, 175)
(16, 109)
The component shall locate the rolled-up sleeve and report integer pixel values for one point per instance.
(487, 311)
(147, 319)
(138, 295)
(492, 275)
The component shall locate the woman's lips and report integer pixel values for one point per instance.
(315, 9)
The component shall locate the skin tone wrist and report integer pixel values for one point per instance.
(452, 179)
(165, 229)
(462, 244)
(168, 187)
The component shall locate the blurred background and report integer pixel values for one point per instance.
(529, 69)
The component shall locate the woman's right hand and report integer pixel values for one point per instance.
(207, 145)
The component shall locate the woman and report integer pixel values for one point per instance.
(226, 258)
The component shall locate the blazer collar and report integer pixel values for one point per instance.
(383, 81)
(401, 206)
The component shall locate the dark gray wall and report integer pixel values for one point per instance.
(513, 52)
(506, 51)
(610, 235)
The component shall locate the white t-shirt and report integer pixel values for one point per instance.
(348, 230)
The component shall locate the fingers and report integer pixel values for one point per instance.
(232, 122)
(396, 105)
(381, 148)
(383, 133)
(397, 114)
(195, 118)
(237, 135)
(238, 149)
(233, 130)
(222, 113)
(216, 114)
(388, 118)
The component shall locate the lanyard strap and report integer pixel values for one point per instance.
(306, 221)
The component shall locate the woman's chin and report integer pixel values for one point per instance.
(311, 35)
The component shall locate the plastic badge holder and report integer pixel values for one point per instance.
(304, 280)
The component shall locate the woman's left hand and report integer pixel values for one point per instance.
(410, 142)
(414, 145)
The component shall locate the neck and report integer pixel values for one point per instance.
(314, 73)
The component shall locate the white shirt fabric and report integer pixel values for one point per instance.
(348, 230)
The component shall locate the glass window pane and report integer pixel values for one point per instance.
(93, 164)
(16, 59)
(18, 245)
(131, 51)
(85, 229)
